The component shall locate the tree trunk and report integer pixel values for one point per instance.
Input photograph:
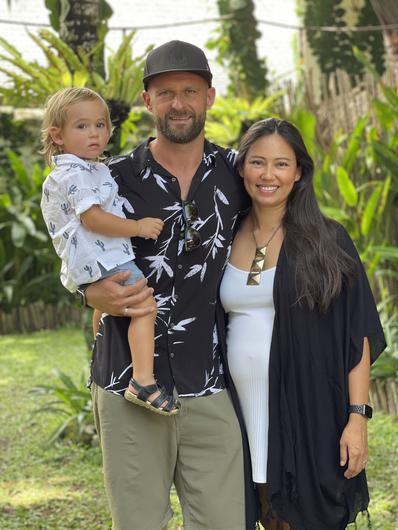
(247, 72)
(82, 24)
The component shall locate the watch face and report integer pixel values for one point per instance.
(368, 411)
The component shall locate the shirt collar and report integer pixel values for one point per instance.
(142, 157)
(67, 159)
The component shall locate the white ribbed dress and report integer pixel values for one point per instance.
(251, 316)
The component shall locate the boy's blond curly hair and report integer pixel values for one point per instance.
(55, 115)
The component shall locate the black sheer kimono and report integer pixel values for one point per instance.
(310, 359)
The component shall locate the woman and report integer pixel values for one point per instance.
(303, 330)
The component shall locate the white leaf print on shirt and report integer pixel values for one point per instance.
(221, 196)
(158, 265)
(180, 326)
(193, 270)
(202, 274)
(160, 181)
(176, 206)
(159, 262)
(216, 240)
(206, 174)
(163, 307)
(147, 173)
(231, 156)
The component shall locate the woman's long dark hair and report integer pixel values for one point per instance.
(310, 238)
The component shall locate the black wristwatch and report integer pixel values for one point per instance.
(364, 410)
(81, 295)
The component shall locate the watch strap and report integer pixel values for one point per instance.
(364, 410)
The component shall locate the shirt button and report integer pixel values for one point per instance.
(173, 179)
(176, 297)
(171, 355)
(179, 266)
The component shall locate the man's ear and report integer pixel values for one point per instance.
(211, 95)
(56, 135)
(147, 100)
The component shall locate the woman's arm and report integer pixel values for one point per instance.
(354, 440)
(97, 220)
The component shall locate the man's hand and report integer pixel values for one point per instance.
(149, 227)
(108, 296)
(354, 445)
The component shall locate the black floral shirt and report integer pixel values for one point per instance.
(187, 353)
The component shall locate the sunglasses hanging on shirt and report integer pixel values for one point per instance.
(190, 213)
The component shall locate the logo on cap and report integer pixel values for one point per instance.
(178, 59)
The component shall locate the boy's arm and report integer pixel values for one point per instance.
(97, 220)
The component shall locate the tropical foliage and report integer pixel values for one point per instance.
(71, 405)
(28, 266)
(30, 83)
(333, 50)
(235, 42)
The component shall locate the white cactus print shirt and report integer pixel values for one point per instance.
(186, 284)
(72, 187)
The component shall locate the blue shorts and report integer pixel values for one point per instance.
(136, 273)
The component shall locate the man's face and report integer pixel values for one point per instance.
(178, 102)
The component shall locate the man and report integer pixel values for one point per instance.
(191, 185)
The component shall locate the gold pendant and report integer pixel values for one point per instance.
(254, 276)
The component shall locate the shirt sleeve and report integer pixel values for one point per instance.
(81, 189)
(363, 316)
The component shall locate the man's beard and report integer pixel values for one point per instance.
(185, 136)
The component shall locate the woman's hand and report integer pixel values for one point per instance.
(108, 296)
(354, 445)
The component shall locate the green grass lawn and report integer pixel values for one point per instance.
(60, 487)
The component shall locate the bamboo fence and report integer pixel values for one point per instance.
(38, 316)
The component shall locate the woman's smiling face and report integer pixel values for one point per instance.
(269, 171)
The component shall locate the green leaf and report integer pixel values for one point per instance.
(386, 156)
(354, 144)
(385, 114)
(335, 213)
(384, 195)
(18, 168)
(387, 252)
(391, 95)
(346, 187)
(362, 58)
(63, 49)
(80, 78)
(18, 234)
(370, 210)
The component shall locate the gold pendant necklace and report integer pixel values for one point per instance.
(254, 276)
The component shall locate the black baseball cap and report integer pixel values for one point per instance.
(176, 56)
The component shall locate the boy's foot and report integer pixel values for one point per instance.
(152, 397)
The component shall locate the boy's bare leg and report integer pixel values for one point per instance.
(142, 346)
(141, 337)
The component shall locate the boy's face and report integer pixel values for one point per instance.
(85, 132)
